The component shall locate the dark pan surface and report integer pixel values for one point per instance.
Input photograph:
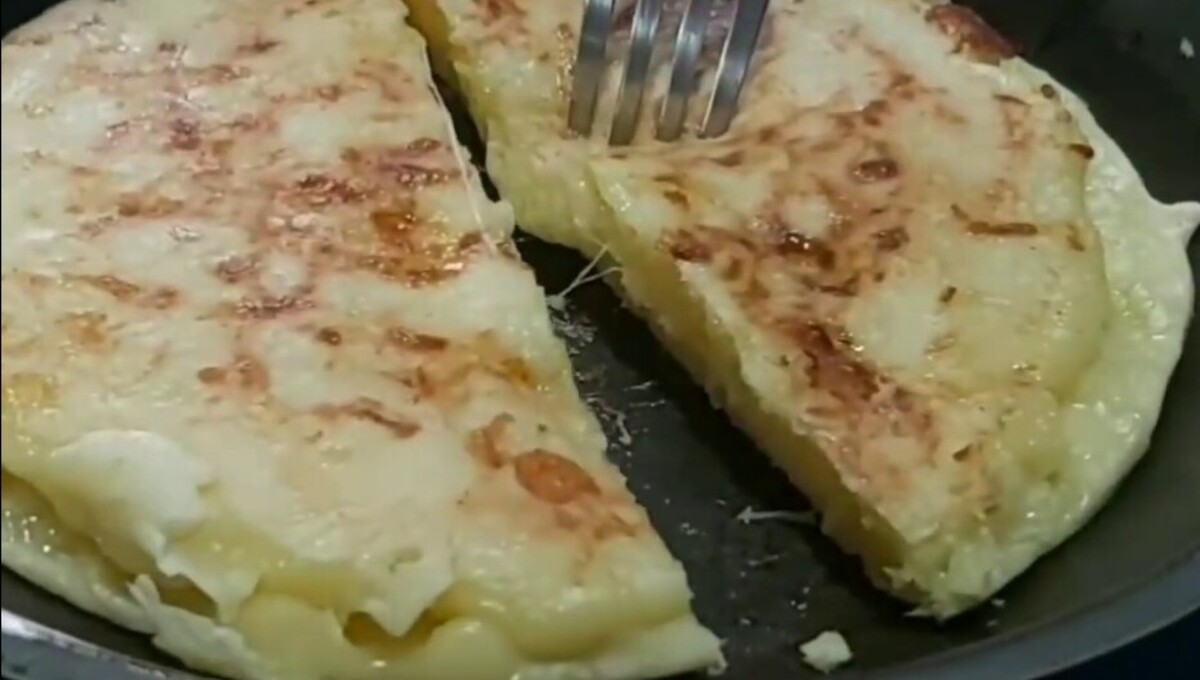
(766, 586)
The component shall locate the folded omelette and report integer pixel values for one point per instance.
(915, 271)
(277, 389)
(279, 392)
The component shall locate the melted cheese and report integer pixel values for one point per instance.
(276, 388)
(915, 270)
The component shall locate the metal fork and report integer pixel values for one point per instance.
(731, 73)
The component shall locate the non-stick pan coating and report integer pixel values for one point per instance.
(766, 586)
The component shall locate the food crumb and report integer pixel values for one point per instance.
(1187, 48)
(763, 561)
(999, 603)
(749, 515)
(827, 652)
(719, 668)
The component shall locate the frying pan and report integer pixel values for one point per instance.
(767, 585)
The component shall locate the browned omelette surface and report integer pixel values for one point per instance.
(894, 270)
(276, 387)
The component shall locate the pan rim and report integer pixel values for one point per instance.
(1070, 640)
(1031, 652)
(1161, 598)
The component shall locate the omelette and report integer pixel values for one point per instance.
(277, 389)
(915, 271)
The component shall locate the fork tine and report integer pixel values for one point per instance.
(589, 64)
(734, 66)
(637, 67)
(688, 45)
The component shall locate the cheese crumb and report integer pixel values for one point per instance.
(827, 652)
(749, 515)
(1187, 48)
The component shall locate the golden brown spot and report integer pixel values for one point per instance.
(422, 382)
(159, 298)
(424, 145)
(147, 206)
(1075, 239)
(733, 269)
(321, 189)
(487, 443)
(330, 93)
(260, 45)
(832, 370)
(470, 241)
(1048, 91)
(552, 478)
(428, 269)
(93, 21)
(416, 341)
(184, 135)
(873, 113)
(847, 288)
(247, 372)
(329, 336)
(162, 298)
(30, 390)
(876, 170)
(221, 73)
(86, 329)
(1003, 229)
(402, 429)
(393, 226)
(731, 159)
(266, 308)
(500, 9)
(891, 240)
(902, 80)
(677, 197)
(965, 454)
(948, 114)
(794, 244)
(948, 295)
(235, 268)
(396, 166)
(1083, 150)
(211, 375)
(517, 371)
(413, 176)
(371, 411)
(509, 250)
(1011, 100)
(114, 286)
(684, 246)
(31, 41)
(972, 34)
(611, 526)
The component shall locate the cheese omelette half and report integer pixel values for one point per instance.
(276, 388)
(916, 271)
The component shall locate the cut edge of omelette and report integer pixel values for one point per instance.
(47, 521)
(1112, 412)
